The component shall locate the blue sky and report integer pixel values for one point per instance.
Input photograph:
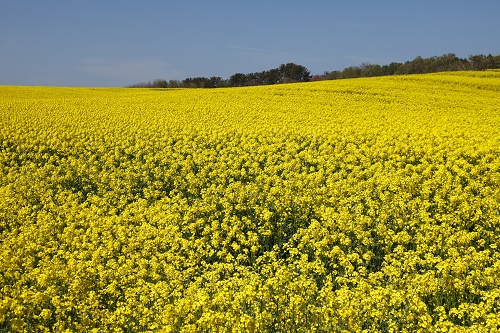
(117, 43)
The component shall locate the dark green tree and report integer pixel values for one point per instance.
(293, 73)
(160, 83)
(237, 80)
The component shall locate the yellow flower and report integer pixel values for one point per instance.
(349, 205)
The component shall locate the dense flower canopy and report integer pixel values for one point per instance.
(334, 206)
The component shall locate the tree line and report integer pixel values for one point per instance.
(290, 72)
(285, 73)
(419, 65)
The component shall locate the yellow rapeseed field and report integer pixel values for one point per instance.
(363, 205)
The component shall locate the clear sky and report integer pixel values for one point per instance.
(122, 42)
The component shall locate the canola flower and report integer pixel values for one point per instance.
(364, 205)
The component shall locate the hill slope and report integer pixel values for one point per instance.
(325, 206)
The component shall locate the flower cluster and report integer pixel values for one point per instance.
(364, 205)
